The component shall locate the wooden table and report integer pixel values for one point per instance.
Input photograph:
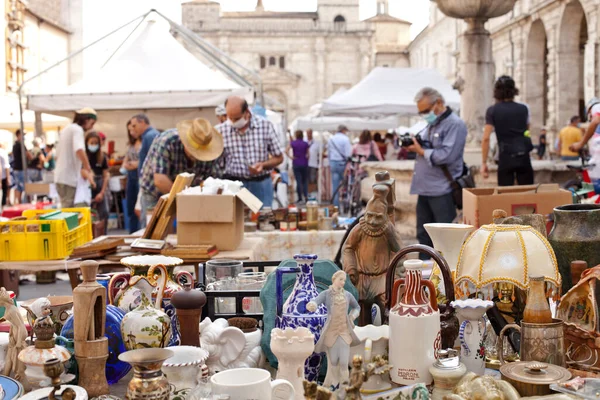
(248, 251)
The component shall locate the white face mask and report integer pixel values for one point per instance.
(239, 124)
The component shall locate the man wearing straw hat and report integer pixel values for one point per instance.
(193, 147)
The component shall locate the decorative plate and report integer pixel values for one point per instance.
(12, 389)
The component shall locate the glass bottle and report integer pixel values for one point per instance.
(537, 309)
(312, 215)
(293, 219)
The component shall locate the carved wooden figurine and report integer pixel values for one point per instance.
(383, 178)
(16, 340)
(368, 250)
(91, 346)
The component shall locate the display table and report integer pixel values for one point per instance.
(249, 250)
(283, 245)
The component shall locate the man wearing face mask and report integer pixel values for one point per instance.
(439, 154)
(252, 149)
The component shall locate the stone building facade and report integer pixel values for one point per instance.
(303, 57)
(550, 47)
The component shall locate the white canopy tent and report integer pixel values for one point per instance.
(387, 92)
(151, 73)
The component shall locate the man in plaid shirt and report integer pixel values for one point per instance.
(252, 149)
(194, 147)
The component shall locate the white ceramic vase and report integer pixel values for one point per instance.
(292, 347)
(415, 332)
(448, 240)
(472, 332)
(184, 368)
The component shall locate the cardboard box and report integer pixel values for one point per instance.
(480, 203)
(37, 188)
(213, 219)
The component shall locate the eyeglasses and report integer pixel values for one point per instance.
(427, 111)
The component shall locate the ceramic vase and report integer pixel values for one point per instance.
(127, 288)
(147, 325)
(148, 380)
(415, 333)
(293, 313)
(183, 369)
(448, 240)
(292, 347)
(575, 236)
(472, 332)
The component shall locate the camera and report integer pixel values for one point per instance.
(407, 140)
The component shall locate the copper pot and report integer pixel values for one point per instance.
(533, 378)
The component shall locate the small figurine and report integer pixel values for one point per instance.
(357, 378)
(338, 333)
(16, 340)
(368, 251)
(314, 392)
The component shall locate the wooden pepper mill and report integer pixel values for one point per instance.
(188, 305)
(91, 346)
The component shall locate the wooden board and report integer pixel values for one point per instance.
(167, 214)
(191, 252)
(158, 209)
(101, 244)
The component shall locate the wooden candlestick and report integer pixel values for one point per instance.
(188, 305)
(91, 346)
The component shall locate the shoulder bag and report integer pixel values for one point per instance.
(465, 181)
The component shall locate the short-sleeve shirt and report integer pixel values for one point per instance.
(167, 156)
(244, 149)
(97, 167)
(68, 166)
(4, 165)
(17, 158)
(569, 135)
(510, 120)
(299, 150)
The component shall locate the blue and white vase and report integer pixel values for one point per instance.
(293, 313)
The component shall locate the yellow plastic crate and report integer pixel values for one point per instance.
(35, 240)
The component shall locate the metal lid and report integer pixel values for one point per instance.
(447, 359)
(534, 372)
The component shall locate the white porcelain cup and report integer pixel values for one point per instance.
(251, 384)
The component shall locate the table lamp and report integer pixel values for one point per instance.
(504, 254)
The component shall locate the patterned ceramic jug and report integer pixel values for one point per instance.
(415, 334)
(293, 313)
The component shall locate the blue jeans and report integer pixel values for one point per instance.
(261, 189)
(337, 175)
(301, 174)
(570, 158)
(131, 194)
(433, 209)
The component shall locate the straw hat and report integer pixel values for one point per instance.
(201, 139)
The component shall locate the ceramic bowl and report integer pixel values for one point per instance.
(472, 309)
(11, 388)
(60, 308)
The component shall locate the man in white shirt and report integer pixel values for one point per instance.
(339, 149)
(314, 155)
(71, 159)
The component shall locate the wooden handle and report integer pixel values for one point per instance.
(500, 343)
(437, 257)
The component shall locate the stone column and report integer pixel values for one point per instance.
(365, 64)
(589, 57)
(477, 70)
(552, 122)
(320, 68)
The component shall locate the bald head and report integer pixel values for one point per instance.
(238, 112)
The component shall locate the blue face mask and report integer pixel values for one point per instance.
(93, 148)
(430, 118)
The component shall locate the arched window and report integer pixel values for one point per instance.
(263, 62)
(282, 62)
(272, 61)
(339, 22)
